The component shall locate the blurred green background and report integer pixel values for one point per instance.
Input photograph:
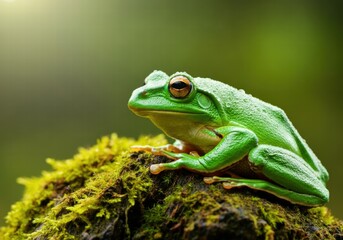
(67, 69)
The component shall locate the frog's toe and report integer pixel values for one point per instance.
(209, 180)
(229, 185)
(137, 148)
(156, 168)
(194, 154)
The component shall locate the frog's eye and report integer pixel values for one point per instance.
(180, 86)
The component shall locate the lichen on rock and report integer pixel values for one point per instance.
(107, 192)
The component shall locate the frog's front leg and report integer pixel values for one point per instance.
(291, 177)
(235, 144)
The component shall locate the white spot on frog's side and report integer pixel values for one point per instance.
(204, 101)
(241, 90)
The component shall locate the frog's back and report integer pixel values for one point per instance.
(268, 122)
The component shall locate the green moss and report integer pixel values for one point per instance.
(78, 188)
(105, 190)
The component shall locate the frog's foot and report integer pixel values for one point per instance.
(137, 148)
(154, 150)
(182, 160)
(161, 150)
(156, 168)
(209, 180)
(228, 182)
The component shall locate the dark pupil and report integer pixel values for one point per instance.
(179, 85)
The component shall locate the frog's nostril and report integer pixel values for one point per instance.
(144, 93)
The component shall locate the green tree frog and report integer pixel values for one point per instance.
(230, 137)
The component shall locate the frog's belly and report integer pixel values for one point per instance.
(189, 132)
(201, 145)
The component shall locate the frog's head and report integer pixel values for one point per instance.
(176, 97)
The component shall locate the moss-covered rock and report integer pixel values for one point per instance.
(107, 192)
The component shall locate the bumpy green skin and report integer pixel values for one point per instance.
(225, 125)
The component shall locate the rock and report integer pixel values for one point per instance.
(107, 192)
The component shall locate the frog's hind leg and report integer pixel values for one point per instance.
(263, 185)
(291, 178)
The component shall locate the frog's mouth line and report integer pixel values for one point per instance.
(146, 113)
